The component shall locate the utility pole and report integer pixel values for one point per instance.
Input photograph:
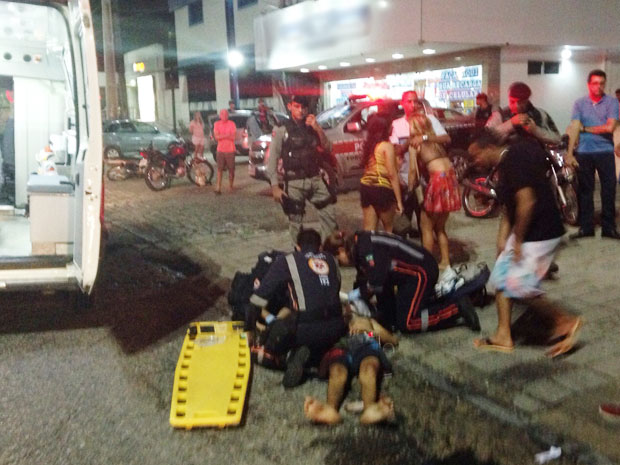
(230, 35)
(109, 60)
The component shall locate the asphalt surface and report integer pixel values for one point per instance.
(94, 387)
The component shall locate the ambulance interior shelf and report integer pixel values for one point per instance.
(51, 204)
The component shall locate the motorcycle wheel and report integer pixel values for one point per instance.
(156, 178)
(570, 211)
(117, 173)
(200, 172)
(476, 204)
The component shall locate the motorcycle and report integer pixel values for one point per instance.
(176, 162)
(120, 169)
(479, 196)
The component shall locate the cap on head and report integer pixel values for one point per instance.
(301, 99)
(482, 96)
(519, 90)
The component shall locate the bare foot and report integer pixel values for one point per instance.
(489, 344)
(381, 411)
(570, 338)
(319, 412)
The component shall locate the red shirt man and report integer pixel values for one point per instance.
(224, 132)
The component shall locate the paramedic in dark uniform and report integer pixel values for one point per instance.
(315, 322)
(301, 143)
(402, 276)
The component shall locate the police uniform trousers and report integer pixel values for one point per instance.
(315, 191)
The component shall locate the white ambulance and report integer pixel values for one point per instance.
(50, 213)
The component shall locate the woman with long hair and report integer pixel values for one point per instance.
(197, 130)
(380, 188)
(441, 195)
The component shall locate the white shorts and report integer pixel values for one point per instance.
(521, 280)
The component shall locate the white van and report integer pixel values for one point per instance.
(50, 219)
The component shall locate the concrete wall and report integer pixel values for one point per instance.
(204, 38)
(549, 23)
(153, 58)
(523, 22)
(244, 24)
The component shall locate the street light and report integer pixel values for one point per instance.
(235, 59)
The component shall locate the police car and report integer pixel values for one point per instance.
(345, 127)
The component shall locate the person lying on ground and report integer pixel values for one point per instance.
(358, 354)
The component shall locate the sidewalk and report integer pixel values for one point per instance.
(556, 400)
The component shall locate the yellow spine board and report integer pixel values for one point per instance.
(211, 377)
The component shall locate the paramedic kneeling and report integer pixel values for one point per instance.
(401, 274)
(315, 322)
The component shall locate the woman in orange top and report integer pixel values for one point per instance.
(380, 189)
(224, 132)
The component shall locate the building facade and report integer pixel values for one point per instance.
(448, 50)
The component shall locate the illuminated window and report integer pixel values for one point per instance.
(195, 13)
(244, 3)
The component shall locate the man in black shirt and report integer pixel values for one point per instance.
(529, 235)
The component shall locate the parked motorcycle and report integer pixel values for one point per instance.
(176, 162)
(479, 195)
(119, 169)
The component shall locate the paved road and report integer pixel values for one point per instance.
(90, 388)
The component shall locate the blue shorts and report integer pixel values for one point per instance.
(351, 351)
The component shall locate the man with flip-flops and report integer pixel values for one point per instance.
(529, 235)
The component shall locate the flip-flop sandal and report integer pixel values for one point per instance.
(566, 344)
(487, 344)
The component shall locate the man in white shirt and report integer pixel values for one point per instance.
(400, 137)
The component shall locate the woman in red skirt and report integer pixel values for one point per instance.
(441, 195)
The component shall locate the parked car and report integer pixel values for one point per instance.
(240, 118)
(344, 126)
(124, 138)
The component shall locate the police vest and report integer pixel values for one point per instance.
(300, 156)
(316, 285)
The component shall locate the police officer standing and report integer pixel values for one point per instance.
(301, 144)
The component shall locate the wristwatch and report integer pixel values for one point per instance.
(425, 137)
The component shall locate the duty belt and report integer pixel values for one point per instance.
(301, 174)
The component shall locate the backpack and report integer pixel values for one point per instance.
(244, 284)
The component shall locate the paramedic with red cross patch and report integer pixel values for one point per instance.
(313, 281)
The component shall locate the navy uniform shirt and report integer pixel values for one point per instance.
(313, 281)
(383, 260)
